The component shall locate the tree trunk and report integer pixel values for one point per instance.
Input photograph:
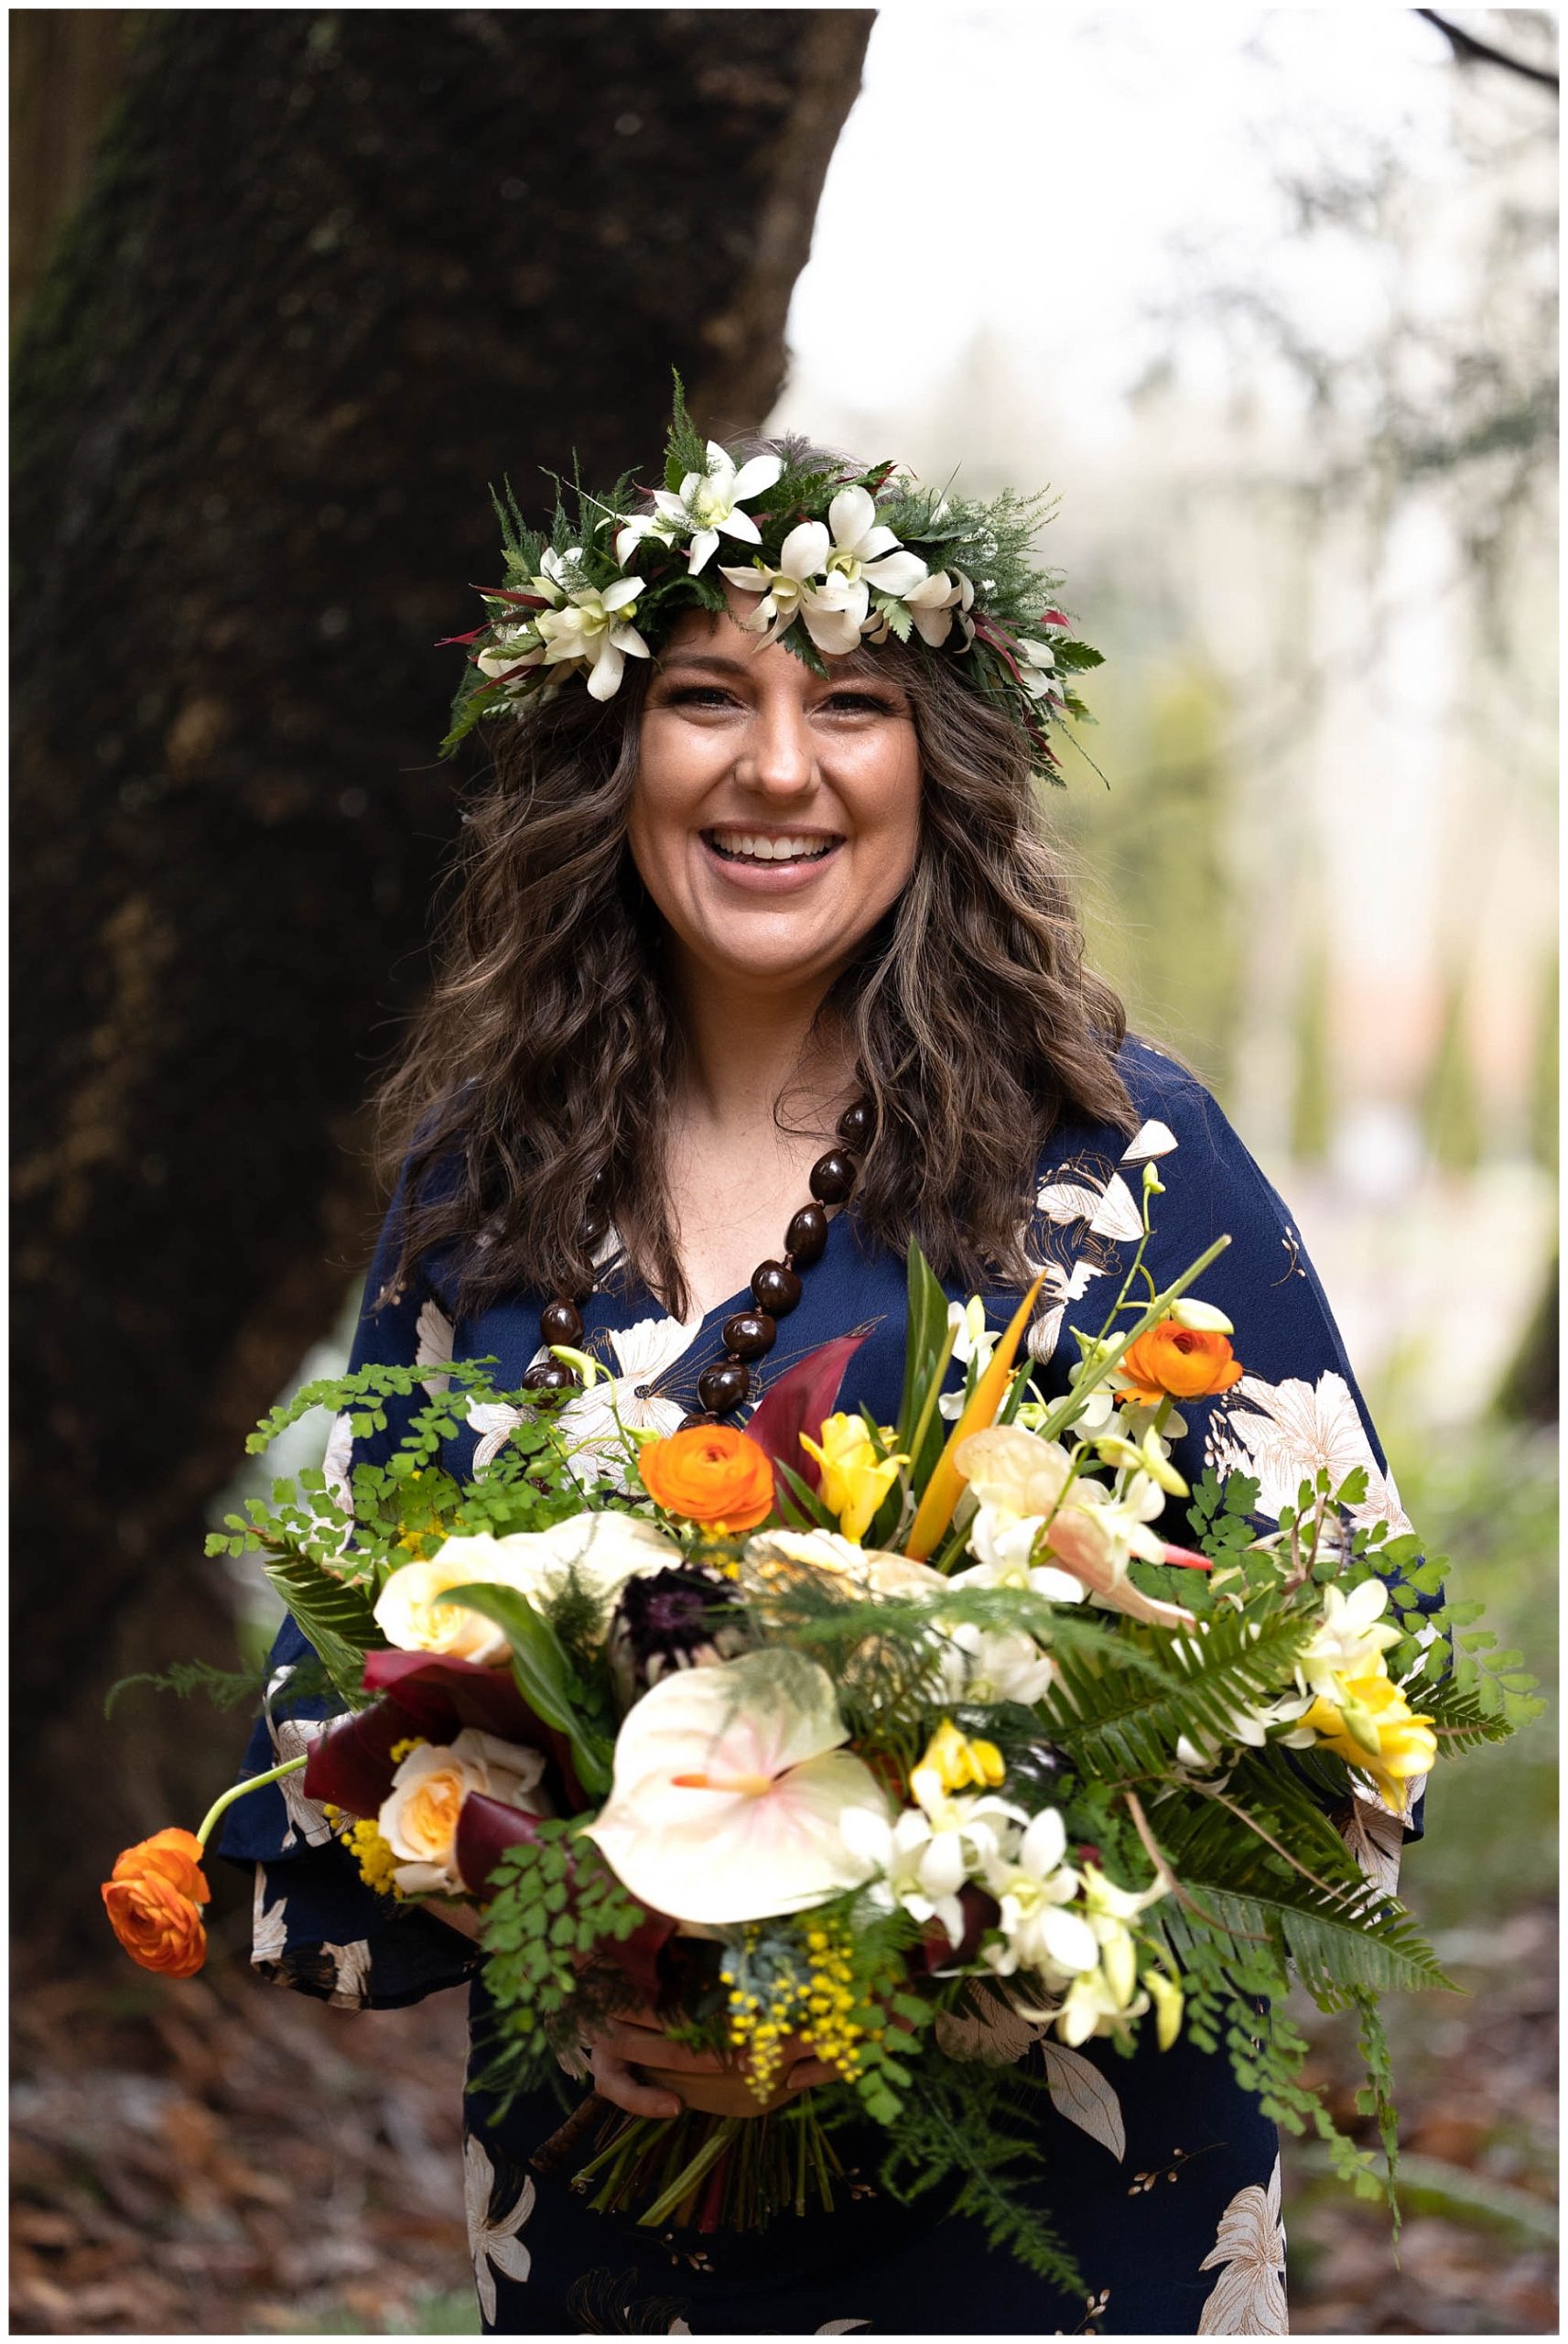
(332, 274)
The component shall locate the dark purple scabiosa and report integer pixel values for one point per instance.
(685, 1618)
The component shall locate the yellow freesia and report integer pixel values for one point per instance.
(953, 1762)
(855, 1479)
(1374, 1728)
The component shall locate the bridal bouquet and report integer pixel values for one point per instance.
(914, 1748)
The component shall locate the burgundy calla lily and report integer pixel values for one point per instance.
(798, 1402)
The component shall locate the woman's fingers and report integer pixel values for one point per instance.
(651, 2046)
(806, 2072)
(614, 2081)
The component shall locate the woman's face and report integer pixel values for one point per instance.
(775, 814)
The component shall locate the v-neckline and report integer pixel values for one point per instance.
(744, 1299)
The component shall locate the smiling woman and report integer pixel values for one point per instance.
(762, 964)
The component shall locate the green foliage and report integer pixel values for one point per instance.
(969, 2133)
(336, 1616)
(1123, 1721)
(226, 1688)
(554, 1901)
(552, 1687)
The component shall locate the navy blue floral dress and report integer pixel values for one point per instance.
(1161, 2174)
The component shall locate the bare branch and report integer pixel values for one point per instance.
(1469, 50)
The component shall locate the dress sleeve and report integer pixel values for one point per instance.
(315, 1924)
(1297, 1408)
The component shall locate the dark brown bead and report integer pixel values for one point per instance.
(595, 1222)
(694, 1422)
(774, 1289)
(856, 1124)
(749, 1334)
(832, 1177)
(549, 1376)
(561, 1322)
(723, 1386)
(599, 1188)
(806, 1236)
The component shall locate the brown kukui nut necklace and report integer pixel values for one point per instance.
(747, 1335)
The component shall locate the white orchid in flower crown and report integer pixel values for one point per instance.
(594, 625)
(826, 574)
(708, 503)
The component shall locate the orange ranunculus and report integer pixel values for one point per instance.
(713, 1474)
(175, 1855)
(1181, 1362)
(157, 1926)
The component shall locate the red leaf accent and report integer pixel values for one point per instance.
(486, 1828)
(798, 1402)
(351, 1765)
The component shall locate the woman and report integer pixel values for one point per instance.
(724, 911)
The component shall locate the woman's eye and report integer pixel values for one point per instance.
(858, 703)
(696, 696)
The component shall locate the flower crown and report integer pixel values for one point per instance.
(834, 561)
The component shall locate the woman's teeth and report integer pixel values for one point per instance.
(744, 846)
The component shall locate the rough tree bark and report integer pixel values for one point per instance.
(332, 274)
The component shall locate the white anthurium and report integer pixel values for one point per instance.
(1033, 1887)
(593, 627)
(869, 1567)
(707, 503)
(1348, 1642)
(730, 1786)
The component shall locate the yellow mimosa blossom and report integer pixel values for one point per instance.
(953, 1763)
(855, 1479)
(1374, 1728)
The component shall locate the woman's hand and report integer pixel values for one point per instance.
(637, 2039)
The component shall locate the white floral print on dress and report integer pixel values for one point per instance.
(1248, 2298)
(1284, 1434)
(644, 1353)
(493, 2237)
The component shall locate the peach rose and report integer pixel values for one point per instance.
(1179, 1362)
(157, 1919)
(713, 1474)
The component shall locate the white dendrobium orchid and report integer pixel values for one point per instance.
(993, 1664)
(934, 605)
(826, 574)
(708, 503)
(514, 648)
(925, 1855)
(1101, 2000)
(973, 1340)
(1348, 1642)
(730, 1790)
(1036, 664)
(630, 533)
(1032, 1886)
(594, 626)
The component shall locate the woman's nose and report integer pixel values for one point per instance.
(778, 759)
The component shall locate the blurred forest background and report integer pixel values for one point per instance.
(1270, 295)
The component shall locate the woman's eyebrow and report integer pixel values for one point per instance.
(703, 659)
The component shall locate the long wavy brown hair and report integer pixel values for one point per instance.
(545, 1061)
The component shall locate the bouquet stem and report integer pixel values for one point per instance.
(711, 2172)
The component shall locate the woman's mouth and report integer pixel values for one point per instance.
(771, 849)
